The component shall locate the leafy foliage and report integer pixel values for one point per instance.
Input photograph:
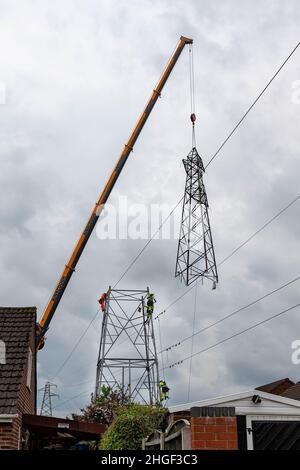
(104, 408)
(133, 423)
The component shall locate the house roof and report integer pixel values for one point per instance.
(243, 404)
(278, 387)
(16, 326)
(51, 426)
(293, 392)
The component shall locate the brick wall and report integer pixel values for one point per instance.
(11, 433)
(177, 415)
(214, 428)
(27, 396)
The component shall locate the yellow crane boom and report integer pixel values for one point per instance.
(61, 286)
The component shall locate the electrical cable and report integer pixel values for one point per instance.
(148, 242)
(213, 156)
(235, 312)
(188, 290)
(234, 251)
(165, 220)
(234, 335)
(253, 104)
(260, 229)
(72, 398)
(75, 346)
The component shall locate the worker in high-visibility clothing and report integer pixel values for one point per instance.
(150, 305)
(164, 390)
(102, 301)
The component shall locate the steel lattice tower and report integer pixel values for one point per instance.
(127, 358)
(195, 256)
(46, 408)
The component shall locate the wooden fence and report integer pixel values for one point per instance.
(176, 437)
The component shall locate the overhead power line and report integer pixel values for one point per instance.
(211, 159)
(260, 229)
(75, 346)
(188, 290)
(79, 384)
(235, 312)
(202, 350)
(253, 104)
(233, 336)
(147, 243)
(234, 251)
(175, 207)
(91, 390)
(72, 398)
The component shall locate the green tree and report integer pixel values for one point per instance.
(133, 423)
(104, 408)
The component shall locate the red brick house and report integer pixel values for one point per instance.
(17, 372)
(20, 427)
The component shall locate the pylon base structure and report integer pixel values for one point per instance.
(195, 256)
(127, 360)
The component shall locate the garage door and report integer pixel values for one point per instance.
(276, 435)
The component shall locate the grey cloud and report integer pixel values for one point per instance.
(77, 79)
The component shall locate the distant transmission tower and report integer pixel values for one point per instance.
(46, 408)
(127, 359)
(195, 256)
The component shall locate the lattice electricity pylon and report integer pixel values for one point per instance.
(127, 360)
(195, 255)
(46, 408)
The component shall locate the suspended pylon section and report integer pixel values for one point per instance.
(195, 255)
(127, 360)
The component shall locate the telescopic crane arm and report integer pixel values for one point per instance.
(43, 326)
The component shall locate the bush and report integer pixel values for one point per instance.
(133, 423)
(104, 408)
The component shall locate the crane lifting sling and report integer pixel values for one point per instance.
(60, 288)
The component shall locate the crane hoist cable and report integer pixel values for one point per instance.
(216, 153)
(192, 93)
(209, 162)
(43, 325)
(195, 252)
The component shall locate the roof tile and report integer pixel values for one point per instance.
(16, 326)
(293, 392)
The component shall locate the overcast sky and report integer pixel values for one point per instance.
(76, 75)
